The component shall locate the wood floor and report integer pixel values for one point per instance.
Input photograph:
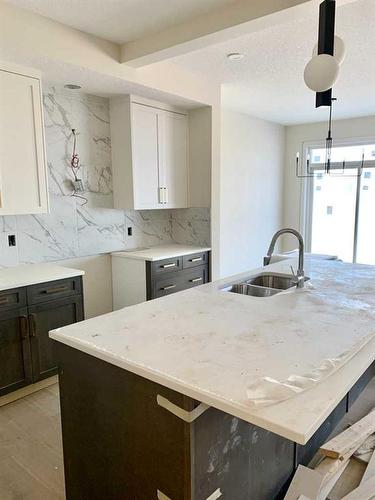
(31, 460)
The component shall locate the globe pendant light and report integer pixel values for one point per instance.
(320, 75)
(321, 72)
(339, 51)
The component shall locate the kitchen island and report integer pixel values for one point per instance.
(210, 394)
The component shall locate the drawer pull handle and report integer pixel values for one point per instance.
(169, 287)
(23, 326)
(4, 300)
(32, 319)
(55, 290)
(172, 264)
(196, 259)
(195, 280)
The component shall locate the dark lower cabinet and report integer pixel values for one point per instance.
(15, 354)
(167, 276)
(42, 319)
(120, 444)
(27, 354)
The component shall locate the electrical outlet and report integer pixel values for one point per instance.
(130, 231)
(11, 240)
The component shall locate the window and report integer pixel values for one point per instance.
(340, 207)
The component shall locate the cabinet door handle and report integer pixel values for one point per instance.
(161, 195)
(169, 287)
(196, 259)
(172, 264)
(165, 195)
(4, 300)
(57, 289)
(195, 280)
(24, 327)
(32, 319)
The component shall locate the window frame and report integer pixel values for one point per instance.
(307, 192)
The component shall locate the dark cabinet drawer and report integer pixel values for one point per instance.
(13, 298)
(193, 260)
(194, 277)
(175, 282)
(166, 266)
(54, 290)
(166, 285)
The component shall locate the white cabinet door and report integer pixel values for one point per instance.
(23, 185)
(145, 157)
(149, 156)
(174, 147)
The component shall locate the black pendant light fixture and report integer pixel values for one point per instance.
(321, 73)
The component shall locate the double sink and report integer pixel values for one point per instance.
(264, 285)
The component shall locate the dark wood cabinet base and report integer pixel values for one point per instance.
(27, 314)
(119, 444)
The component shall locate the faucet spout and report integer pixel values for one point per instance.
(300, 271)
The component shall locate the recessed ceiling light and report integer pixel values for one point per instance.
(235, 56)
(72, 86)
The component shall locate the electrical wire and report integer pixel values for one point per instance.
(75, 167)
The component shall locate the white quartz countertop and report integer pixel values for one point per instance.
(282, 362)
(161, 252)
(32, 274)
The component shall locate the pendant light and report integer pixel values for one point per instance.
(321, 72)
(320, 75)
(339, 49)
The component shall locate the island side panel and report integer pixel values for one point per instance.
(242, 460)
(119, 444)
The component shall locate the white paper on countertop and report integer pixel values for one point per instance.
(267, 390)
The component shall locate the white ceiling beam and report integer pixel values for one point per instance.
(240, 18)
(67, 55)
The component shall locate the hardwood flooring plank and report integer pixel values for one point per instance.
(18, 484)
(31, 443)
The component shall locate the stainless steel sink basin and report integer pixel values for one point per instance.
(279, 281)
(264, 285)
(255, 291)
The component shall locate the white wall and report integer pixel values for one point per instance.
(252, 154)
(295, 137)
(200, 157)
(97, 282)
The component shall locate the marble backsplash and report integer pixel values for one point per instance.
(72, 229)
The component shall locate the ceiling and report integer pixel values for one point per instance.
(268, 82)
(121, 20)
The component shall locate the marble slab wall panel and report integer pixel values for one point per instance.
(150, 227)
(49, 237)
(8, 255)
(191, 226)
(73, 229)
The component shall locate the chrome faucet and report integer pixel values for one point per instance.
(300, 272)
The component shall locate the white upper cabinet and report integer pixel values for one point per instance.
(174, 172)
(149, 156)
(23, 183)
(145, 156)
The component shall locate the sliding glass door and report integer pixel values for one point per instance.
(366, 219)
(333, 216)
(340, 207)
